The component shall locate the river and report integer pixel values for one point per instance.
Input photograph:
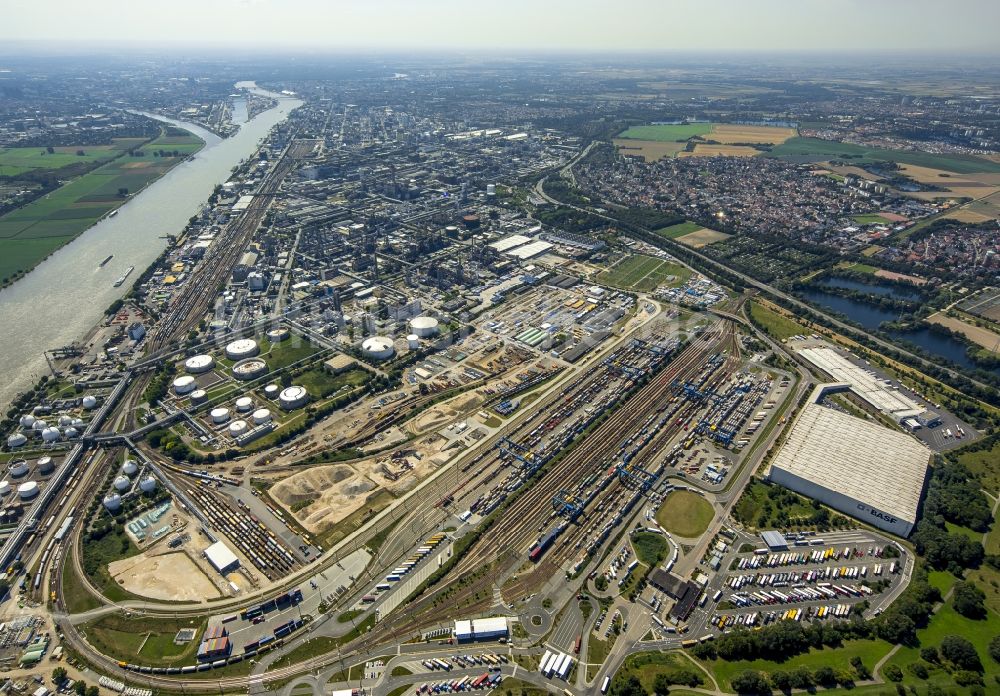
(59, 301)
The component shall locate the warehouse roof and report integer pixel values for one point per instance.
(494, 624)
(515, 240)
(221, 557)
(856, 458)
(529, 250)
(869, 387)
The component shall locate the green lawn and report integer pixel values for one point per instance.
(777, 326)
(143, 639)
(640, 272)
(678, 230)
(870, 651)
(667, 133)
(685, 513)
(314, 647)
(985, 464)
(650, 548)
(321, 383)
(871, 219)
(948, 622)
(648, 665)
(817, 150)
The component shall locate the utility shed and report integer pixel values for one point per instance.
(855, 466)
(222, 558)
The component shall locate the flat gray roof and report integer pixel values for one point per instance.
(857, 458)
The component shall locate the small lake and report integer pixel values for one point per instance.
(871, 316)
(893, 291)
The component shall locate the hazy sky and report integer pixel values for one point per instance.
(524, 25)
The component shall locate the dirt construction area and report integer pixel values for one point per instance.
(444, 413)
(977, 334)
(170, 576)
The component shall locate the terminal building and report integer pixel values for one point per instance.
(855, 466)
(492, 628)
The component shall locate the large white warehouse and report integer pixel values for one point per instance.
(855, 466)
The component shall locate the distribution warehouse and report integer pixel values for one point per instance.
(855, 466)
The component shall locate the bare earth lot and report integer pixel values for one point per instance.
(978, 335)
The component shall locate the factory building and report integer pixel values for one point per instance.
(222, 558)
(481, 629)
(857, 467)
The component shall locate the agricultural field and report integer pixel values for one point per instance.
(649, 150)
(703, 237)
(817, 150)
(18, 160)
(704, 150)
(644, 273)
(979, 335)
(729, 134)
(29, 234)
(971, 185)
(667, 133)
(776, 325)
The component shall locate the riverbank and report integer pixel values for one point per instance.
(65, 296)
(35, 231)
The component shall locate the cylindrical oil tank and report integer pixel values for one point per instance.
(242, 348)
(27, 420)
(378, 348)
(244, 404)
(424, 326)
(251, 368)
(413, 341)
(237, 428)
(51, 434)
(220, 414)
(198, 396)
(16, 440)
(27, 491)
(45, 465)
(18, 468)
(277, 335)
(271, 391)
(293, 397)
(147, 484)
(261, 415)
(184, 384)
(89, 402)
(199, 363)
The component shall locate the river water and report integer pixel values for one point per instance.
(65, 295)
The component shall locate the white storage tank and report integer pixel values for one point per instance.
(65, 421)
(130, 468)
(271, 391)
(293, 397)
(18, 468)
(16, 440)
(39, 425)
(198, 396)
(147, 484)
(413, 341)
(277, 335)
(242, 348)
(122, 483)
(5, 488)
(220, 415)
(27, 491)
(378, 348)
(237, 428)
(261, 415)
(184, 384)
(89, 402)
(244, 404)
(249, 369)
(72, 433)
(51, 434)
(113, 502)
(199, 363)
(77, 423)
(45, 465)
(27, 420)
(424, 326)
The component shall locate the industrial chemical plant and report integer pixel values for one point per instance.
(386, 416)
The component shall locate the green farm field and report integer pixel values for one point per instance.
(18, 160)
(30, 233)
(639, 272)
(816, 150)
(679, 230)
(667, 133)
